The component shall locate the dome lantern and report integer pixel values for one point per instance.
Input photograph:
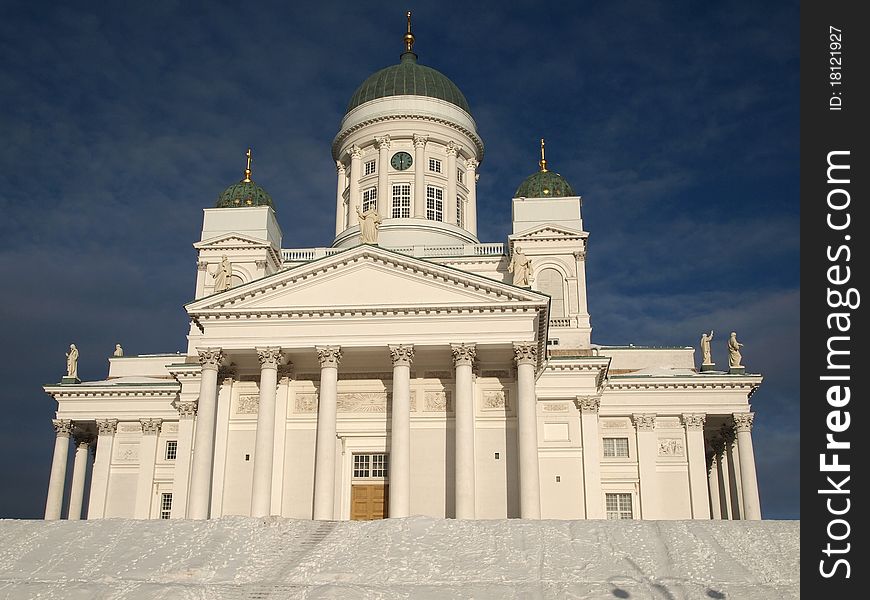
(244, 193)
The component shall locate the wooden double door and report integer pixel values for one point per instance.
(369, 501)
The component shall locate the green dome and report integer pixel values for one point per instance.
(408, 79)
(544, 184)
(244, 193)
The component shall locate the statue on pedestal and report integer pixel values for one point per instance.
(521, 267)
(72, 362)
(118, 350)
(734, 346)
(706, 353)
(223, 277)
(369, 221)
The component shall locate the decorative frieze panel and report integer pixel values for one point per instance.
(438, 375)
(671, 447)
(438, 402)
(127, 452)
(129, 428)
(500, 374)
(170, 428)
(615, 424)
(306, 402)
(362, 402)
(496, 400)
(247, 404)
(554, 407)
(668, 423)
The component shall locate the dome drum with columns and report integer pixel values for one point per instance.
(407, 368)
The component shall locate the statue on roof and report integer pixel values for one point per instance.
(521, 267)
(734, 355)
(369, 221)
(118, 350)
(72, 362)
(706, 353)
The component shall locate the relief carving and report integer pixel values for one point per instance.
(438, 402)
(671, 447)
(248, 404)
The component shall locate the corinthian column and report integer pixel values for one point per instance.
(341, 216)
(722, 482)
(647, 455)
(203, 447)
(751, 501)
(383, 143)
(419, 175)
(697, 455)
(400, 432)
(463, 359)
(147, 459)
(102, 462)
(526, 356)
(353, 199)
(80, 467)
(324, 457)
(57, 479)
(450, 210)
(713, 481)
(588, 406)
(471, 182)
(181, 476)
(264, 446)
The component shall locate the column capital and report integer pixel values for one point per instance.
(339, 167)
(579, 254)
(202, 265)
(402, 355)
(261, 264)
(107, 426)
(186, 409)
(453, 148)
(355, 152)
(383, 142)
(329, 356)
(588, 404)
(645, 422)
(63, 427)
(471, 164)
(694, 422)
(151, 426)
(525, 353)
(463, 354)
(270, 357)
(743, 421)
(210, 358)
(420, 140)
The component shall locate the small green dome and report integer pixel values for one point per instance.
(408, 79)
(242, 194)
(544, 184)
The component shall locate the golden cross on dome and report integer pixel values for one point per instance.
(409, 37)
(247, 178)
(543, 162)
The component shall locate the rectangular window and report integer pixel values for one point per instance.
(434, 165)
(165, 506)
(370, 466)
(460, 211)
(460, 175)
(434, 203)
(370, 199)
(615, 447)
(618, 506)
(402, 201)
(171, 449)
(369, 167)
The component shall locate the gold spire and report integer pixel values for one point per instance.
(247, 178)
(543, 163)
(409, 37)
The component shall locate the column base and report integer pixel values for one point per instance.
(737, 371)
(70, 380)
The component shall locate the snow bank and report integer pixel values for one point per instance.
(419, 558)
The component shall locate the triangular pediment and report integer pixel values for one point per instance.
(229, 241)
(366, 277)
(549, 232)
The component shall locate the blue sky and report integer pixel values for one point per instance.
(676, 121)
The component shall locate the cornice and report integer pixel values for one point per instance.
(90, 392)
(369, 311)
(749, 386)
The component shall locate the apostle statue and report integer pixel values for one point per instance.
(706, 354)
(734, 351)
(521, 267)
(223, 277)
(118, 350)
(72, 362)
(369, 221)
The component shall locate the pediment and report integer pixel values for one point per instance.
(231, 241)
(549, 232)
(366, 277)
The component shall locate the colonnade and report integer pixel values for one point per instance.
(731, 476)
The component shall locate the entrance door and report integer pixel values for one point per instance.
(368, 502)
(369, 489)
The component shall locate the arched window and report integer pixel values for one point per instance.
(550, 282)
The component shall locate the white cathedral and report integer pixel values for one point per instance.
(408, 369)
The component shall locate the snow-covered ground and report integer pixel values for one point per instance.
(419, 558)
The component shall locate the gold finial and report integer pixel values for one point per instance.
(247, 178)
(409, 37)
(543, 162)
